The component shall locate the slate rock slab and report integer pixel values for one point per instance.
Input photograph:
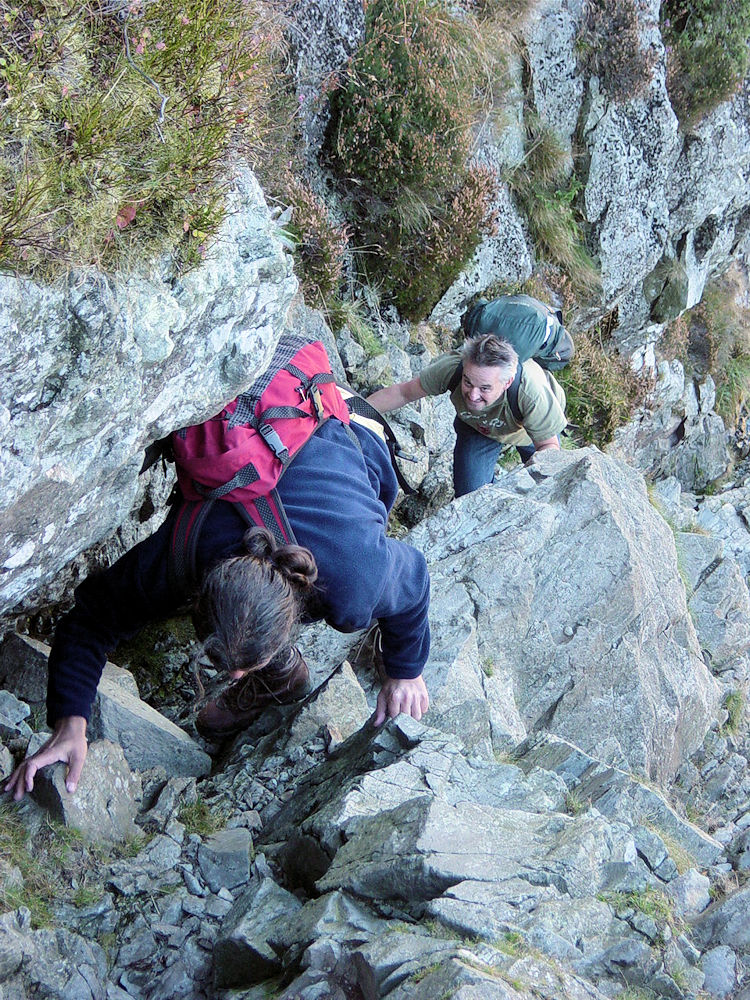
(579, 607)
(147, 737)
(244, 952)
(224, 858)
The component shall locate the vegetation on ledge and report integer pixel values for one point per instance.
(118, 120)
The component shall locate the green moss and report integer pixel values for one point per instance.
(150, 656)
(735, 703)
(512, 943)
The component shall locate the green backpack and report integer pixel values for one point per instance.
(533, 328)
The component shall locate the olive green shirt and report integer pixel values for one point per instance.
(540, 400)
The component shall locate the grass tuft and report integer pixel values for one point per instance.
(198, 817)
(602, 389)
(119, 119)
(400, 133)
(548, 194)
(57, 865)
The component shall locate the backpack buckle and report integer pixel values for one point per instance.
(274, 442)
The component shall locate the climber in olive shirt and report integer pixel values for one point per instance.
(478, 377)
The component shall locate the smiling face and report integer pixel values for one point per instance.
(481, 385)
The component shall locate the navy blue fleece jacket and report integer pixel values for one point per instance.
(337, 498)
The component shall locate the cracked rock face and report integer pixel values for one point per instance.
(94, 369)
(563, 596)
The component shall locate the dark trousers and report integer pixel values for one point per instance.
(475, 456)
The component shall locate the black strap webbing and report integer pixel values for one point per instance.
(360, 406)
(182, 571)
(181, 568)
(512, 394)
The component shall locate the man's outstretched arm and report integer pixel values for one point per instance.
(394, 396)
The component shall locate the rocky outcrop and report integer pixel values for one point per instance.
(541, 624)
(96, 368)
(664, 209)
(419, 859)
(571, 818)
(677, 434)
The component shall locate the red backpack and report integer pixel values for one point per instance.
(241, 454)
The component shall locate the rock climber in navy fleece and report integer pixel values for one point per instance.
(254, 592)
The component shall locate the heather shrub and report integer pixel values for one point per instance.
(609, 45)
(707, 54)
(402, 115)
(320, 244)
(399, 137)
(420, 266)
(718, 342)
(119, 119)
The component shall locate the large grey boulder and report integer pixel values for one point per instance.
(104, 805)
(322, 37)
(24, 669)
(582, 628)
(479, 860)
(108, 365)
(147, 737)
(727, 516)
(719, 603)
(726, 923)
(632, 149)
(617, 795)
(244, 952)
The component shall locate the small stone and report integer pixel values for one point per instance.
(224, 858)
(724, 835)
(192, 884)
(719, 967)
(194, 905)
(690, 893)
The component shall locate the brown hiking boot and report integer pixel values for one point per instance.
(244, 701)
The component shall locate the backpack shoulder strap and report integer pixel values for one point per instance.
(512, 395)
(181, 570)
(191, 516)
(359, 407)
(456, 377)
